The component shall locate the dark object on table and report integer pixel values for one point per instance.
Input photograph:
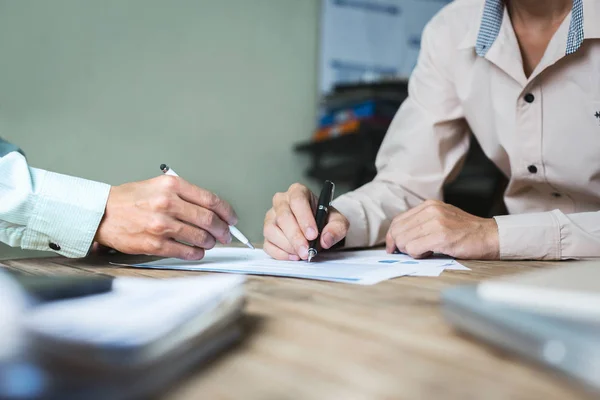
(49, 288)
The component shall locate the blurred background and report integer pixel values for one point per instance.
(241, 97)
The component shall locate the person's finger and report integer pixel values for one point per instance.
(426, 205)
(403, 233)
(300, 199)
(400, 226)
(201, 197)
(288, 224)
(193, 235)
(278, 253)
(404, 237)
(390, 244)
(273, 234)
(412, 242)
(422, 247)
(163, 226)
(411, 220)
(335, 230)
(171, 249)
(204, 219)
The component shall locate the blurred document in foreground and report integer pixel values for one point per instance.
(132, 342)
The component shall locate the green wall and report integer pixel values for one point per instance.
(109, 89)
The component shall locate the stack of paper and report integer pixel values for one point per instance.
(129, 343)
(366, 267)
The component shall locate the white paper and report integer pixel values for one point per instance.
(365, 267)
(136, 312)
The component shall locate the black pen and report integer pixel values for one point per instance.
(321, 216)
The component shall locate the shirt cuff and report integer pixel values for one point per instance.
(358, 232)
(534, 236)
(66, 214)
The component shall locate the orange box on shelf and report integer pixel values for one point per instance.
(346, 127)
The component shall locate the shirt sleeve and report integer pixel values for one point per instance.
(41, 210)
(423, 148)
(549, 235)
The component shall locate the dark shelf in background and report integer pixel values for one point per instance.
(349, 159)
(344, 144)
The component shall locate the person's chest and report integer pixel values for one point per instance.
(541, 132)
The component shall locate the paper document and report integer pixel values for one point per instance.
(366, 267)
(137, 312)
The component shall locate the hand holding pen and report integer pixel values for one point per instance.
(165, 216)
(234, 231)
(292, 222)
(321, 216)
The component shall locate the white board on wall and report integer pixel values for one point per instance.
(365, 40)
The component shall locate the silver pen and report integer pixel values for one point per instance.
(234, 231)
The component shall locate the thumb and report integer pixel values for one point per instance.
(335, 230)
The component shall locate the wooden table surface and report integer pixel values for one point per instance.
(320, 340)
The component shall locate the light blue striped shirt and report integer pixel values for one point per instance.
(41, 210)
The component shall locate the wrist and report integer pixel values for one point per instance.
(492, 239)
(98, 236)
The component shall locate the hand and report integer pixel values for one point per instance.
(100, 250)
(437, 227)
(165, 216)
(290, 224)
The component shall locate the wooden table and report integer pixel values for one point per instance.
(318, 340)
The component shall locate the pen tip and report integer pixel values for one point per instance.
(251, 246)
(311, 254)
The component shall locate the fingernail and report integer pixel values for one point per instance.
(229, 238)
(293, 257)
(233, 220)
(328, 240)
(303, 252)
(311, 234)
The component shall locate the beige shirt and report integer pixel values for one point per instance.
(543, 132)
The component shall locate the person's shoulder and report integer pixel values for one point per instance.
(456, 19)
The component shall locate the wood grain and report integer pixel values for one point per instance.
(319, 340)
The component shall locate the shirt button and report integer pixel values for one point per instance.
(54, 246)
(529, 98)
(556, 194)
(532, 169)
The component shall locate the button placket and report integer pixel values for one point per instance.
(529, 129)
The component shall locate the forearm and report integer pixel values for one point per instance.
(549, 235)
(370, 210)
(41, 210)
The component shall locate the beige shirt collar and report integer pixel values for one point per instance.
(505, 52)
